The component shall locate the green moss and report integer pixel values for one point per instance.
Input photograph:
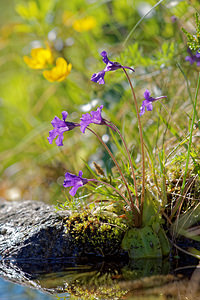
(94, 285)
(103, 234)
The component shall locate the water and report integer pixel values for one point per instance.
(13, 291)
(136, 280)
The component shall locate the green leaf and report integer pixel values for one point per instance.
(184, 224)
(164, 242)
(140, 268)
(142, 243)
(150, 210)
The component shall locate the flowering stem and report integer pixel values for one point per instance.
(141, 139)
(134, 208)
(116, 163)
(114, 127)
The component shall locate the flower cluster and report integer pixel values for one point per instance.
(94, 117)
(60, 126)
(192, 58)
(41, 58)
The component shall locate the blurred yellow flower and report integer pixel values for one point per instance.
(84, 24)
(59, 72)
(28, 11)
(40, 58)
(68, 18)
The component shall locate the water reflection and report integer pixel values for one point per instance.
(73, 279)
(13, 291)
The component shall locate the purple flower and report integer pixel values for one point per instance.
(74, 181)
(110, 66)
(60, 126)
(99, 77)
(148, 102)
(192, 58)
(173, 19)
(94, 117)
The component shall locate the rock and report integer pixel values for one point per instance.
(34, 230)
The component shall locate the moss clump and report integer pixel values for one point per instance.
(102, 292)
(101, 282)
(96, 234)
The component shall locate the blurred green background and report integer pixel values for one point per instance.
(154, 45)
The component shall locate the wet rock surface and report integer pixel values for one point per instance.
(32, 229)
(34, 242)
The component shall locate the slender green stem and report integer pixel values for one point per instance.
(109, 185)
(137, 24)
(191, 131)
(116, 163)
(134, 208)
(141, 140)
(129, 158)
(141, 19)
(188, 89)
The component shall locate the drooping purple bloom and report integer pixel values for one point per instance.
(110, 66)
(99, 77)
(147, 103)
(60, 126)
(94, 117)
(192, 58)
(74, 181)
